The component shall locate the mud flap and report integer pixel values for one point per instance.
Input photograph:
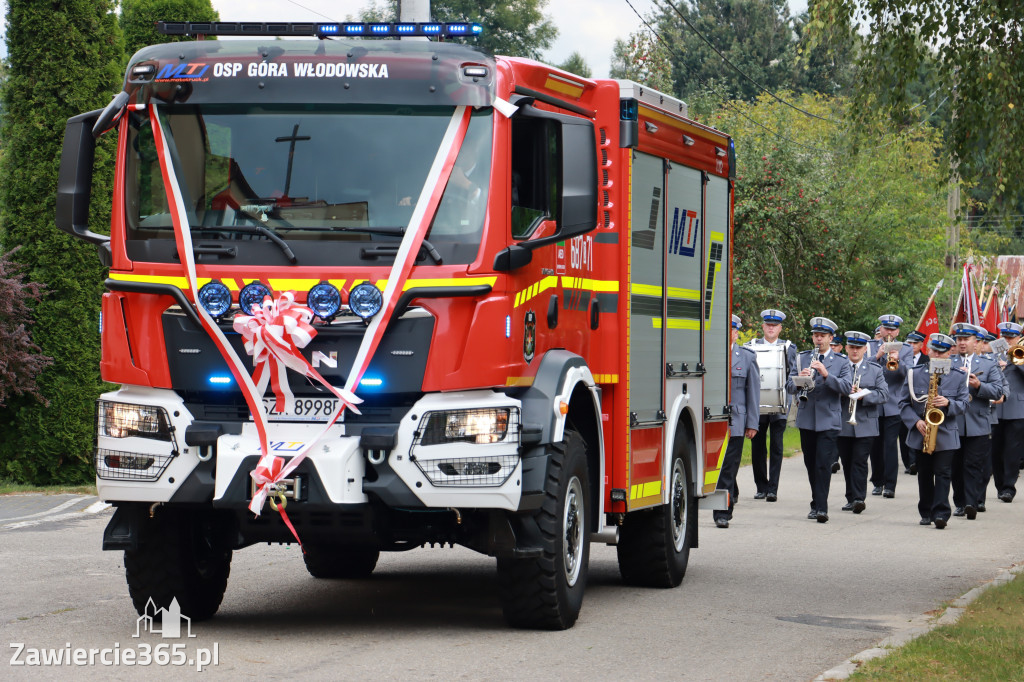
(716, 501)
(125, 527)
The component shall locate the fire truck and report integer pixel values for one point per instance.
(407, 293)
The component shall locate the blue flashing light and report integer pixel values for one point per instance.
(629, 110)
(324, 300)
(220, 379)
(371, 382)
(380, 29)
(431, 29)
(477, 29)
(215, 298)
(405, 29)
(457, 29)
(354, 29)
(251, 297)
(365, 300)
(508, 326)
(329, 29)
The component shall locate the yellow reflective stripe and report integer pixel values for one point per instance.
(685, 294)
(711, 475)
(590, 284)
(676, 324)
(180, 282)
(231, 284)
(292, 284)
(535, 289)
(606, 378)
(519, 381)
(564, 86)
(652, 488)
(340, 283)
(676, 123)
(645, 290)
(717, 237)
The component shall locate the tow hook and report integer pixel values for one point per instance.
(458, 516)
(152, 508)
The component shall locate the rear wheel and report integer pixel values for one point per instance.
(181, 556)
(654, 544)
(547, 592)
(340, 561)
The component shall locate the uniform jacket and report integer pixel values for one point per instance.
(993, 409)
(1013, 407)
(954, 387)
(746, 391)
(894, 379)
(821, 411)
(871, 378)
(790, 369)
(975, 420)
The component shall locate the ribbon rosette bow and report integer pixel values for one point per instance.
(273, 335)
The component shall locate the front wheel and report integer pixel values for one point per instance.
(654, 544)
(547, 592)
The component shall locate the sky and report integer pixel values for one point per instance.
(589, 27)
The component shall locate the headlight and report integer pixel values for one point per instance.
(250, 298)
(215, 298)
(124, 420)
(465, 426)
(324, 300)
(365, 300)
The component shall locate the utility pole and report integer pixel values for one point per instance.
(953, 231)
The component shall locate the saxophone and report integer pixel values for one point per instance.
(933, 416)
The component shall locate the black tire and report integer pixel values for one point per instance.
(654, 544)
(546, 592)
(340, 561)
(180, 556)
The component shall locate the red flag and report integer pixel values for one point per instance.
(929, 322)
(972, 313)
(990, 321)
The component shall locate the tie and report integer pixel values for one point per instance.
(821, 359)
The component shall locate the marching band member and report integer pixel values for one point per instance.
(818, 413)
(1008, 434)
(744, 414)
(915, 340)
(884, 452)
(860, 428)
(837, 345)
(772, 426)
(971, 461)
(934, 469)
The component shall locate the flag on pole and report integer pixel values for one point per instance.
(990, 321)
(929, 322)
(966, 309)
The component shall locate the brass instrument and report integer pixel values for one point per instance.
(853, 402)
(933, 416)
(1016, 353)
(892, 347)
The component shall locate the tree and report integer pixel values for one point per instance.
(754, 35)
(138, 18)
(516, 28)
(644, 59)
(576, 64)
(20, 359)
(64, 59)
(977, 47)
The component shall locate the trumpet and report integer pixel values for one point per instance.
(1016, 353)
(892, 362)
(853, 403)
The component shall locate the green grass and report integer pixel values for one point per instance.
(986, 644)
(8, 487)
(790, 445)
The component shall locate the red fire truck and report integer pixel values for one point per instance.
(412, 293)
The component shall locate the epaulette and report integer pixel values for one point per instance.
(960, 369)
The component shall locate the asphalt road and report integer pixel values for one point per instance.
(775, 596)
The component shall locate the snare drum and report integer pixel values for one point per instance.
(771, 361)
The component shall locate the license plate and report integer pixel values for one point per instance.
(304, 410)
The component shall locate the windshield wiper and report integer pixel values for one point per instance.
(253, 229)
(384, 250)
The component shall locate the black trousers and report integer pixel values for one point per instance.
(970, 466)
(885, 462)
(853, 453)
(907, 454)
(819, 453)
(767, 461)
(1007, 437)
(933, 472)
(727, 477)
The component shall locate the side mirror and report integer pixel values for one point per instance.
(74, 182)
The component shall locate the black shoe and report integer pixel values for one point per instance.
(1006, 497)
(981, 507)
(859, 506)
(940, 523)
(759, 496)
(877, 490)
(813, 514)
(907, 470)
(722, 523)
(959, 511)
(771, 497)
(971, 512)
(913, 470)
(848, 506)
(835, 467)
(925, 522)
(888, 493)
(822, 517)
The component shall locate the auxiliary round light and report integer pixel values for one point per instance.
(365, 300)
(250, 298)
(324, 300)
(215, 298)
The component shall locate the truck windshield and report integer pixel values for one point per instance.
(312, 175)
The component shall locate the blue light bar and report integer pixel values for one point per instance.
(371, 382)
(324, 30)
(220, 379)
